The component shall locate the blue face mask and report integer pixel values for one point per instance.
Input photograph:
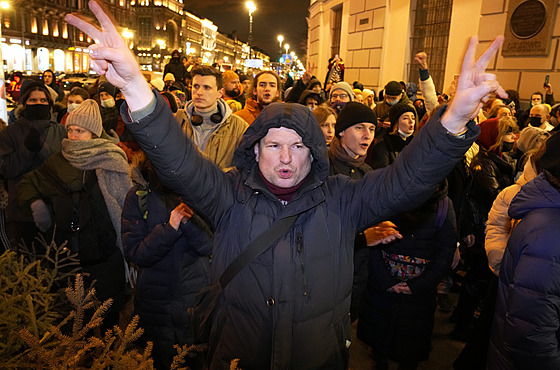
(338, 106)
(392, 102)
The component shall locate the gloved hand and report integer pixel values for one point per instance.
(32, 140)
(41, 215)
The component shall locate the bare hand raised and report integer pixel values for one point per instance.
(473, 87)
(111, 57)
(422, 59)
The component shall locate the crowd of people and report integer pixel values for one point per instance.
(159, 185)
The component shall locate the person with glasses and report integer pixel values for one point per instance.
(341, 93)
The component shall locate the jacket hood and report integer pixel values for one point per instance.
(535, 194)
(293, 116)
(309, 93)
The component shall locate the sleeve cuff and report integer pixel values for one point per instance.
(143, 112)
(424, 74)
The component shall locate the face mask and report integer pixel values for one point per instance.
(507, 147)
(71, 107)
(338, 106)
(534, 121)
(392, 102)
(37, 112)
(403, 134)
(108, 103)
(310, 108)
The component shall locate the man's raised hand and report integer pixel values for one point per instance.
(111, 57)
(473, 87)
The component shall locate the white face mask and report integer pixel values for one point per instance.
(73, 106)
(108, 103)
(403, 134)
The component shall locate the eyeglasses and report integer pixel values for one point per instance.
(339, 96)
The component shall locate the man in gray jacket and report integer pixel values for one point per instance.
(289, 307)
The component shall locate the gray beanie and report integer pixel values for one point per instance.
(529, 137)
(342, 86)
(88, 116)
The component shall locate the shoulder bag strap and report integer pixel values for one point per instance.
(259, 245)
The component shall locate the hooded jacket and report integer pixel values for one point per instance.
(289, 307)
(224, 140)
(173, 266)
(526, 329)
(251, 110)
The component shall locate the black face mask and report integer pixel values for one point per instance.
(534, 121)
(507, 147)
(37, 112)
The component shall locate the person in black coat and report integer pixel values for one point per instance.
(171, 248)
(175, 66)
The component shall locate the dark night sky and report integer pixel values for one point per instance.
(272, 18)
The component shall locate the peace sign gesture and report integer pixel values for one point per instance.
(111, 57)
(473, 87)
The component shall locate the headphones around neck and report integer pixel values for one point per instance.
(197, 120)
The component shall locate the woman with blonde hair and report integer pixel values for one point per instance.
(326, 116)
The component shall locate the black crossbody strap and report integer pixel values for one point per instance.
(259, 245)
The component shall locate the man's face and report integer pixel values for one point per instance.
(392, 99)
(205, 93)
(539, 111)
(267, 89)
(536, 99)
(231, 89)
(311, 103)
(283, 159)
(246, 85)
(104, 96)
(339, 96)
(356, 139)
(47, 78)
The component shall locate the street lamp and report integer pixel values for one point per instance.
(287, 47)
(280, 40)
(251, 7)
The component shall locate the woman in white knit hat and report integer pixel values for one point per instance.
(77, 195)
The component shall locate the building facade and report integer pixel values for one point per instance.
(35, 37)
(377, 39)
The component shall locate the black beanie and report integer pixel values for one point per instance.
(352, 114)
(397, 110)
(393, 88)
(550, 160)
(108, 88)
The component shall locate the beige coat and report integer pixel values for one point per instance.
(499, 224)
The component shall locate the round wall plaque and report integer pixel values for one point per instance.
(528, 19)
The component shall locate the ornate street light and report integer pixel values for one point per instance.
(251, 7)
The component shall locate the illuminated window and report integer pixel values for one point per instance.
(45, 27)
(65, 31)
(81, 36)
(55, 29)
(7, 22)
(33, 24)
(121, 3)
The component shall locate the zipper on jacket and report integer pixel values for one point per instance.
(299, 243)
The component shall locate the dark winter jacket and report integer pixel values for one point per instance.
(399, 326)
(176, 68)
(361, 250)
(289, 307)
(526, 327)
(16, 159)
(385, 151)
(173, 267)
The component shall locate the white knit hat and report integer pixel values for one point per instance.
(88, 116)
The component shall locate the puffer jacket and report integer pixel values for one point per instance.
(385, 151)
(499, 223)
(222, 143)
(173, 267)
(16, 160)
(289, 308)
(251, 110)
(526, 329)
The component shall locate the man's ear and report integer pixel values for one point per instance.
(341, 133)
(257, 152)
(221, 92)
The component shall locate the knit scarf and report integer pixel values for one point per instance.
(340, 154)
(111, 167)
